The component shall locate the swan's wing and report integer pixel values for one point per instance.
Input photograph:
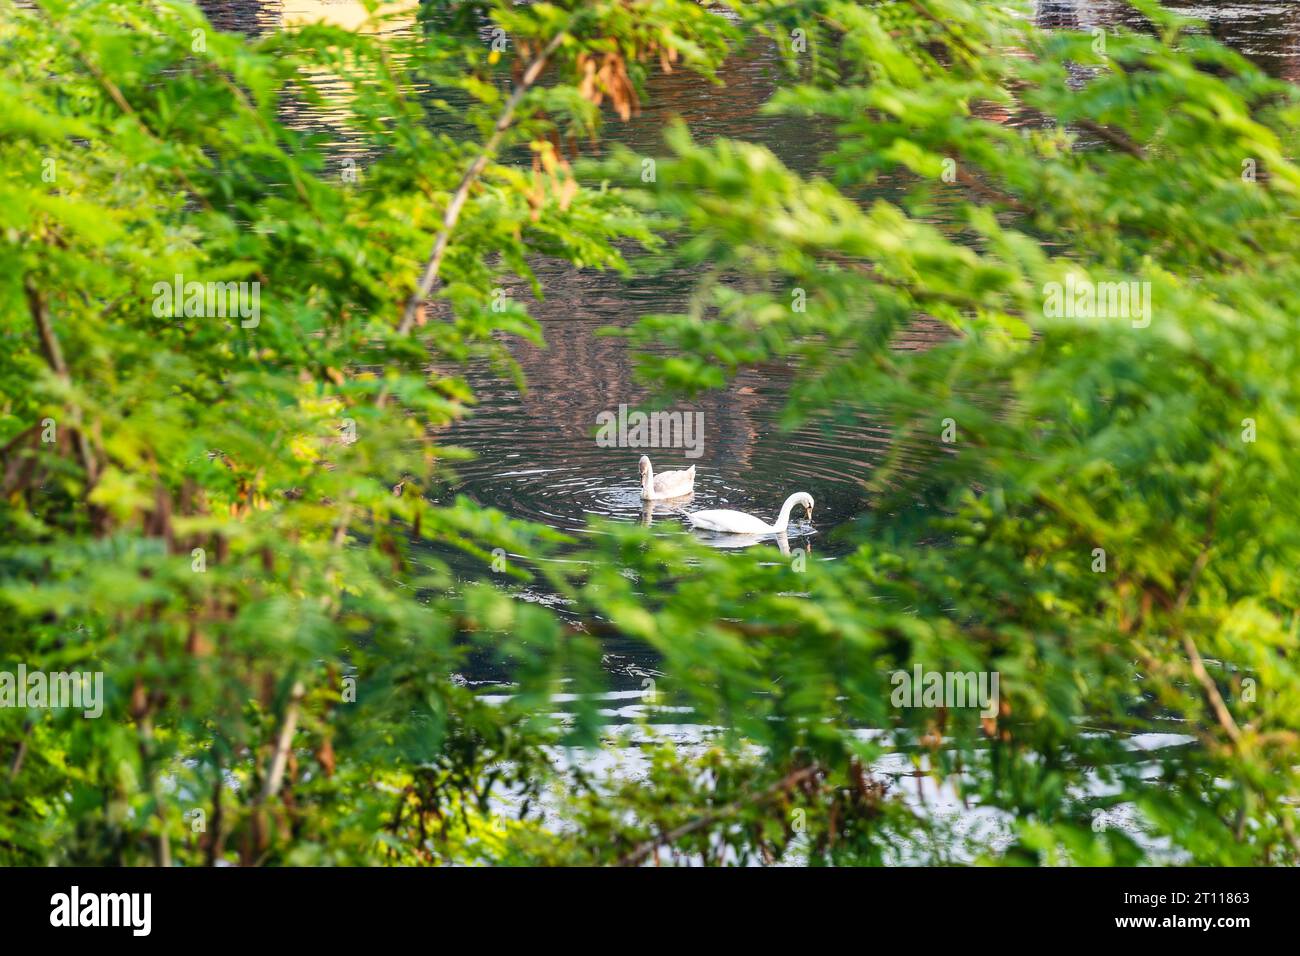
(703, 519)
(732, 522)
(678, 481)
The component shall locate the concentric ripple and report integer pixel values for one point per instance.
(537, 456)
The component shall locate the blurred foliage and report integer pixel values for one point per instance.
(233, 521)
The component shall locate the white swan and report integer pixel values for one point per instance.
(668, 484)
(737, 522)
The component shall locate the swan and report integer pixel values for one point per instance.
(668, 484)
(737, 522)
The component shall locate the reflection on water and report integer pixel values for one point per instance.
(963, 830)
(348, 14)
(781, 539)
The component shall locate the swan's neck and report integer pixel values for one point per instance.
(648, 479)
(784, 518)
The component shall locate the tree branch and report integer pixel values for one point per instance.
(54, 358)
(1115, 137)
(115, 94)
(281, 755)
(457, 204)
(1212, 695)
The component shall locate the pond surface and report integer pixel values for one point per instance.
(536, 454)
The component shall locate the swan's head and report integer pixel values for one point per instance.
(644, 465)
(805, 499)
